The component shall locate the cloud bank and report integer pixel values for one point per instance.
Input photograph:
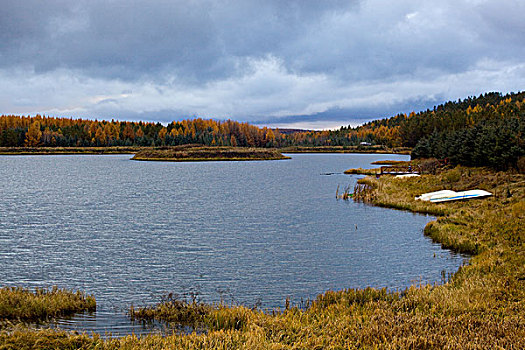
(289, 63)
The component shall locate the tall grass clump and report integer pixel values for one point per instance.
(171, 309)
(353, 297)
(17, 303)
(195, 314)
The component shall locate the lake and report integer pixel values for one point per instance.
(251, 233)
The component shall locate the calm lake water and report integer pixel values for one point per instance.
(252, 233)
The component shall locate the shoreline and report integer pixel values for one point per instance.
(482, 304)
(346, 149)
(27, 151)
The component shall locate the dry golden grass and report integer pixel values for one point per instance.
(23, 304)
(361, 171)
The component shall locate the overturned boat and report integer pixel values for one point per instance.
(448, 195)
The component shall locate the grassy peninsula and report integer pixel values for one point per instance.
(361, 171)
(197, 153)
(18, 303)
(481, 306)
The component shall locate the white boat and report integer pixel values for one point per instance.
(448, 195)
(437, 194)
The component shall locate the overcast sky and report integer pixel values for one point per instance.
(303, 63)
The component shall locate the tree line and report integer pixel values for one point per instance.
(19, 131)
(42, 131)
(487, 130)
(455, 130)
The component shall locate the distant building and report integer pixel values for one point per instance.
(365, 143)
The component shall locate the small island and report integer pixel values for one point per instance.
(198, 153)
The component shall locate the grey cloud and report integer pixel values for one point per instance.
(205, 40)
(254, 60)
(356, 115)
(131, 39)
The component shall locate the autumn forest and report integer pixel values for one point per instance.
(485, 130)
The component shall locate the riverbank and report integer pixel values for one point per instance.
(67, 150)
(481, 306)
(194, 153)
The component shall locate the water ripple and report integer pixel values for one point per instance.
(250, 233)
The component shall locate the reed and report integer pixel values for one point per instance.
(17, 303)
(345, 195)
(171, 309)
(195, 314)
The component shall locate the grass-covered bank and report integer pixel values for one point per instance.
(492, 229)
(190, 153)
(477, 223)
(481, 307)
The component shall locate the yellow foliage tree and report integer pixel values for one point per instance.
(33, 135)
(162, 134)
(128, 132)
(270, 136)
(100, 136)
